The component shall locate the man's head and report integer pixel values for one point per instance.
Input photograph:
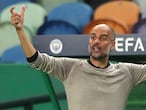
(101, 42)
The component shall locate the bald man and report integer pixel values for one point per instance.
(92, 84)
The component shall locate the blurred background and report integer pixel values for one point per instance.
(23, 88)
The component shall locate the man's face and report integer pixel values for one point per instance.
(101, 42)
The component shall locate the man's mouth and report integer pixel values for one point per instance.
(96, 48)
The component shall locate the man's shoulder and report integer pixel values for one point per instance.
(122, 64)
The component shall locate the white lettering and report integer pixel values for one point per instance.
(138, 45)
(119, 44)
(128, 43)
(123, 44)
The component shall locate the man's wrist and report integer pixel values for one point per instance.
(19, 29)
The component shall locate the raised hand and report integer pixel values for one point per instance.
(17, 19)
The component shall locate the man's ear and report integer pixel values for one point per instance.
(113, 45)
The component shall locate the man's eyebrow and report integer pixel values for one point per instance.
(92, 34)
(104, 34)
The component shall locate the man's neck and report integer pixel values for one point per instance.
(104, 63)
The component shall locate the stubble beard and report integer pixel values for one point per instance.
(99, 57)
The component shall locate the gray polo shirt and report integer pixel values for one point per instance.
(91, 88)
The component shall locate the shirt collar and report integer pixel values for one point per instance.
(88, 60)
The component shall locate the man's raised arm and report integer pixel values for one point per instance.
(17, 19)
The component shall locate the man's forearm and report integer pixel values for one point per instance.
(27, 46)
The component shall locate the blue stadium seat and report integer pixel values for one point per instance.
(95, 3)
(78, 14)
(140, 26)
(5, 3)
(57, 27)
(13, 55)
